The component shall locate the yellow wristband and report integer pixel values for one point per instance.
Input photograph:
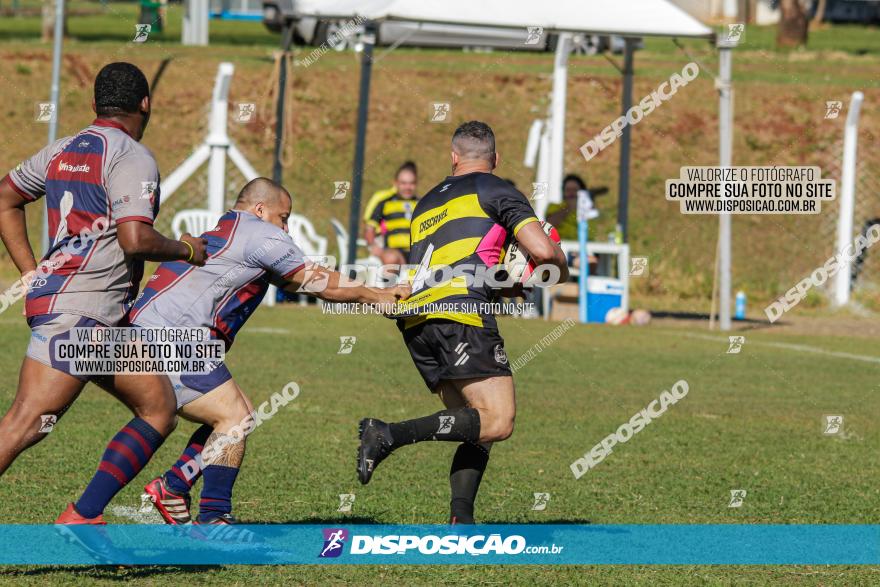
(192, 251)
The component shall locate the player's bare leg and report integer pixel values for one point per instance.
(494, 398)
(479, 412)
(151, 400)
(42, 391)
(149, 397)
(221, 443)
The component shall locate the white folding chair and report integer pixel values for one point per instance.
(371, 262)
(303, 233)
(193, 221)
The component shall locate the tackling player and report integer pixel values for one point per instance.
(465, 223)
(102, 192)
(248, 250)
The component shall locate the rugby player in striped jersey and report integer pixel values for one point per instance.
(465, 223)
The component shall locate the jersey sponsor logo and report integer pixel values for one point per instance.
(283, 258)
(119, 201)
(83, 168)
(432, 220)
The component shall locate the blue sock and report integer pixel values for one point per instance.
(216, 497)
(128, 453)
(186, 471)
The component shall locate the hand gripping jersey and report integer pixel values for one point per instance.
(464, 223)
(93, 181)
(245, 255)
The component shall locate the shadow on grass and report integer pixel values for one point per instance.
(537, 522)
(337, 521)
(107, 572)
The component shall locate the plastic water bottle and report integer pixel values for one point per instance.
(740, 313)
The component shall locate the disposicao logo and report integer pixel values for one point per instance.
(334, 540)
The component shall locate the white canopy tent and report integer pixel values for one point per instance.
(630, 19)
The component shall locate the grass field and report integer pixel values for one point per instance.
(751, 421)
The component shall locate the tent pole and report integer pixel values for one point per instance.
(286, 40)
(360, 140)
(623, 176)
(725, 152)
(57, 41)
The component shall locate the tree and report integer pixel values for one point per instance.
(793, 25)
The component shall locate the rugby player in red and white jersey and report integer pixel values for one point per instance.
(102, 192)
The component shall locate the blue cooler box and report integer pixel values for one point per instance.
(603, 294)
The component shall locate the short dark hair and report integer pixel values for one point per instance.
(407, 166)
(575, 178)
(119, 88)
(261, 188)
(474, 140)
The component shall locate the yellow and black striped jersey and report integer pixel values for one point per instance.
(375, 199)
(391, 216)
(465, 223)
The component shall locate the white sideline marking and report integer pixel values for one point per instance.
(787, 345)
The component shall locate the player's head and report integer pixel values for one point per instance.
(405, 179)
(122, 92)
(267, 200)
(473, 147)
(571, 185)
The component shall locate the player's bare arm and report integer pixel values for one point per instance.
(331, 286)
(13, 229)
(370, 238)
(542, 249)
(142, 241)
(111, 166)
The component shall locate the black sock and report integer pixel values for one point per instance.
(465, 475)
(456, 425)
